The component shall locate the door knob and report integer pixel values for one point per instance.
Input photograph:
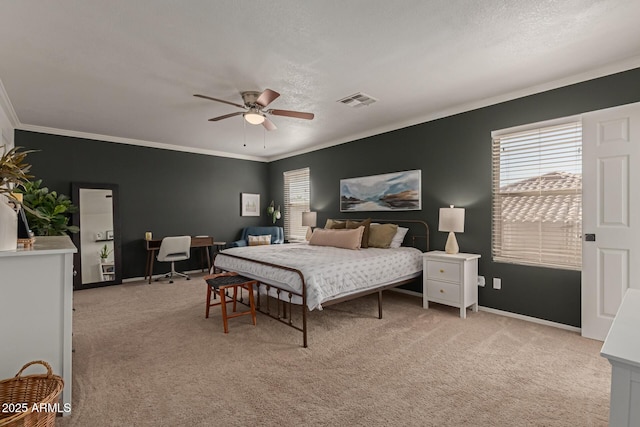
(590, 237)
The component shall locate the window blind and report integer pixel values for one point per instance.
(537, 196)
(296, 201)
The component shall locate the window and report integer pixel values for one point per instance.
(537, 195)
(296, 201)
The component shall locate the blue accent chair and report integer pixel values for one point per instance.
(277, 235)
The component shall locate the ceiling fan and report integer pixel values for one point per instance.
(255, 110)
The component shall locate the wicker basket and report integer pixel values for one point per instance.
(18, 394)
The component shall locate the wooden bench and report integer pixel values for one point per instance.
(218, 284)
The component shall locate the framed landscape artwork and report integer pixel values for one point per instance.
(250, 204)
(398, 191)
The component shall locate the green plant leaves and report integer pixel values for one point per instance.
(47, 212)
(105, 251)
(51, 210)
(13, 170)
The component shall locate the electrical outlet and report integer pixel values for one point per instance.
(497, 283)
(481, 281)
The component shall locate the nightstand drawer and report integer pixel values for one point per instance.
(441, 270)
(443, 291)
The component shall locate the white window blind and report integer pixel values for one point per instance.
(296, 201)
(537, 196)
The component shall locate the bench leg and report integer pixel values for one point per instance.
(235, 297)
(224, 312)
(206, 313)
(251, 304)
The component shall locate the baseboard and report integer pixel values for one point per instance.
(506, 314)
(530, 319)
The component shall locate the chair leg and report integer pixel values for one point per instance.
(173, 272)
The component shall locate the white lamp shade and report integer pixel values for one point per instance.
(451, 219)
(309, 219)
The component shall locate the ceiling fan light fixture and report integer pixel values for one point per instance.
(254, 117)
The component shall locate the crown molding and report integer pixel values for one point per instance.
(7, 107)
(138, 142)
(608, 69)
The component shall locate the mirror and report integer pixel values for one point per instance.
(98, 261)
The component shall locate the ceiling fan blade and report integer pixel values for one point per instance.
(220, 100)
(268, 124)
(267, 97)
(226, 116)
(296, 114)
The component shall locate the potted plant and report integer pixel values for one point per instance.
(49, 211)
(13, 174)
(104, 253)
(274, 213)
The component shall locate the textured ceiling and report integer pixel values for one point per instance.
(127, 70)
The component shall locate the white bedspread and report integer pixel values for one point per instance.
(329, 272)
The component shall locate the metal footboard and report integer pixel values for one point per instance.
(281, 304)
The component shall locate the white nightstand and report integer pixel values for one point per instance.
(451, 280)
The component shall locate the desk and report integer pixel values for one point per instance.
(154, 245)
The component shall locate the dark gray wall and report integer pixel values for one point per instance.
(171, 192)
(166, 192)
(454, 154)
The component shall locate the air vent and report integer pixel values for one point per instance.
(358, 100)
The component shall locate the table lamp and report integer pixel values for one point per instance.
(309, 219)
(451, 220)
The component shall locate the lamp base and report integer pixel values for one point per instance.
(309, 233)
(452, 244)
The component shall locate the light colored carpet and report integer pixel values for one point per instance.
(146, 356)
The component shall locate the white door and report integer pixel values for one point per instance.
(610, 214)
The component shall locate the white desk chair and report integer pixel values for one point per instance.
(172, 249)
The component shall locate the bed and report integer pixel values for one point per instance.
(312, 277)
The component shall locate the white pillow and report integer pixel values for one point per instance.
(259, 240)
(399, 237)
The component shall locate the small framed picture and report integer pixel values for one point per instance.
(99, 235)
(250, 204)
(109, 234)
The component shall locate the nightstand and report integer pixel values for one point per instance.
(450, 279)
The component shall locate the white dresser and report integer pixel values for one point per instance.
(36, 304)
(450, 279)
(622, 348)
